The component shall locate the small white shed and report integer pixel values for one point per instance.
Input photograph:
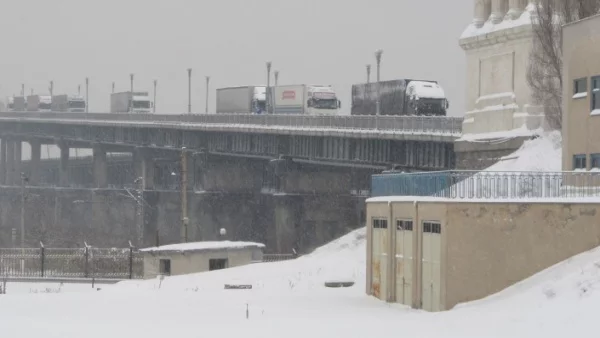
(186, 258)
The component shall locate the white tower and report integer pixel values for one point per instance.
(498, 44)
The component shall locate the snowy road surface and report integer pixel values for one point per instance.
(288, 300)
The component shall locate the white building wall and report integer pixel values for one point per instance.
(497, 45)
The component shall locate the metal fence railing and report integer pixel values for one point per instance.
(390, 123)
(488, 184)
(89, 262)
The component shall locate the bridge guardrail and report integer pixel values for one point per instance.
(409, 124)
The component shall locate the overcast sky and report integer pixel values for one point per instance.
(308, 41)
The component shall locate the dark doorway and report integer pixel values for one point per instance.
(217, 264)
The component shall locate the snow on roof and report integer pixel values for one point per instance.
(203, 246)
(429, 199)
(424, 89)
(489, 27)
(141, 98)
(523, 131)
(541, 154)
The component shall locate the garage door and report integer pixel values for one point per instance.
(379, 258)
(432, 241)
(404, 261)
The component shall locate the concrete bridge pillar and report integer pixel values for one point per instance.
(288, 219)
(10, 162)
(100, 167)
(16, 160)
(34, 167)
(3, 169)
(63, 169)
(144, 167)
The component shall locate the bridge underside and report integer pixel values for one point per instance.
(292, 192)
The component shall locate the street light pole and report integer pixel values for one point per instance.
(51, 88)
(184, 214)
(368, 73)
(154, 103)
(378, 54)
(87, 95)
(131, 92)
(189, 90)
(207, 86)
(139, 182)
(22, 89)
(113, 87)
(22, 222)
(268, 96)
(276, 73)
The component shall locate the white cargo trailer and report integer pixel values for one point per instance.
(305, 99)
(42, 103)
(241, 100)
(128, 102)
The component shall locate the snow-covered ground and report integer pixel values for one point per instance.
(289, 300)
(541, 154)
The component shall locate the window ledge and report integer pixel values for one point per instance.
(595, 112)
(580, 95)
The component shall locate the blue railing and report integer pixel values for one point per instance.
(488, 184)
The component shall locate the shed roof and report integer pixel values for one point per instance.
(203, 246)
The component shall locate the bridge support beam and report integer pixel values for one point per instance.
(144, 167)
(3, 167)
(63, 169)
(100, 167)
(34, 166)
(18, 165)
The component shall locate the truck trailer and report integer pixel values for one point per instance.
(305, 99)
(68, 103)
(241, 100)
(42, 103)
(128, 102)
(400, 97)
(19, 103)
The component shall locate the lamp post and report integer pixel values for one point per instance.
(113, 87)
(131, 92)
(368, 73)
(378, 54)
(22, 89)
(51, 88)
(87, 95)
(206, 99)
(276, 73)
(189, 90)
(268, 96)
(154, 99)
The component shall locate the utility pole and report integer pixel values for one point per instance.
(276, 73)
(207, 86)
(78, 90)
(22, 89)
(368, 73)
(51, 88)
(189, 90)
(113, 87)
(184, 214)
(23, 178)
(268, 96)
(87, 95)
(154, 102)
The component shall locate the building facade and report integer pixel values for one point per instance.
(435, 253)
(499, 103)
(187, 258)
(581, 95)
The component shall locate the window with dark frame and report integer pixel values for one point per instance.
(432, 227)
(164, 267)
(580, 86)
(379, 223)
(595, 161)
(404, 225)
(595, 101)
(579, 162)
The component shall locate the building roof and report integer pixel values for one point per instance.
(520, 200)
(203, 246)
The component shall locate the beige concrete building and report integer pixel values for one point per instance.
(581, 95)
(433, 253)
(186, 258)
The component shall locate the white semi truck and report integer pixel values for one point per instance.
(305, 99)
(128, 102)
(68, 103)
(41, 103)
(241, 100)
